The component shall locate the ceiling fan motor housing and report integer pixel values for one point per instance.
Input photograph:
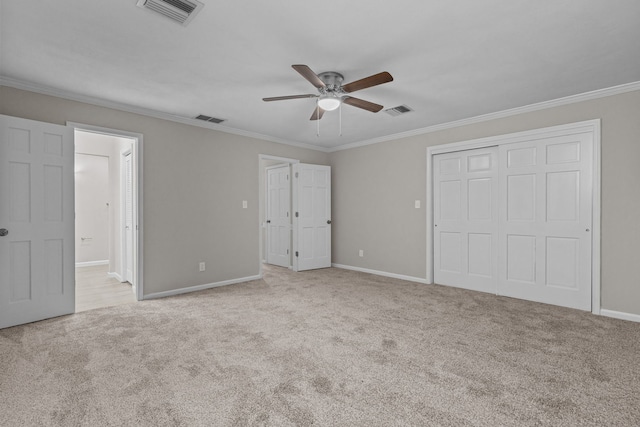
(332, 80)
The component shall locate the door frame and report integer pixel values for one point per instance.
(137, 153)
(588, 126)
(262, 225)
(123, 213)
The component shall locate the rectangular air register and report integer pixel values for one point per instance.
(400, 109)
(209, 119)
(180, 11)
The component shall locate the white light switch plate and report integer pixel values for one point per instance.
(417, 204)
(244, 204)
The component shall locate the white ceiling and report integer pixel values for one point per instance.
(450, 60)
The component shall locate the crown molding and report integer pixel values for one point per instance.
(572, 99)
(45, 90)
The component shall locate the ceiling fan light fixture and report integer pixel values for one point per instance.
(329, 102)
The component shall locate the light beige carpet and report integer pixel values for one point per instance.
(329, 348)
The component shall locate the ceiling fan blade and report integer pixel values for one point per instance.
(308, 74)
(376, 79)
(282, 98)
(317, 113)
(361, 103)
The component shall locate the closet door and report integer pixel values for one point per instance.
(546, 220)
(466, 219)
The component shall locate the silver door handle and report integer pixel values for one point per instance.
(3, 232)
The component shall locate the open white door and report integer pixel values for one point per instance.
(312, 219)
(37, 277)
(278, 216)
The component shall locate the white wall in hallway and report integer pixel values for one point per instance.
(91, 208)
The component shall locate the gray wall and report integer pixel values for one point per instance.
(194, 182)
(375, 187)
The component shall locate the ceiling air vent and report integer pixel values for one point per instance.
(396, 111)
(181, 11)
(209, 119)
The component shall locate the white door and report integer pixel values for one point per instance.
(278, 216)
(37, 263)
(128, 219)
(545, 220)
(312, 220)
(465, 219)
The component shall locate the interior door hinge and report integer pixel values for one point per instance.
(296, 253)
(296, 214)
(296, 174)
(287, 251)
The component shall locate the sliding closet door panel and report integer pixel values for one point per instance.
(465, 219)
(545, 220)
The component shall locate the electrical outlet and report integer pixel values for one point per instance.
(360, 252)
(202, 266)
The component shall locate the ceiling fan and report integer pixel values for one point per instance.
(332, 93)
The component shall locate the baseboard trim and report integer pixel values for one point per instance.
(92, 263)
(116, 276)
(382, 273)
(200, 287)
(620, 315)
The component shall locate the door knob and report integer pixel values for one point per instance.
(328, 221)
(3, 232)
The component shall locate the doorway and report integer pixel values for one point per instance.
(266, 164)
(303, 192)
(104, 221)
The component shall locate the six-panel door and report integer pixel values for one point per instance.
(536, 197)
(312, 226)
(278, 216)
(465, 219)
(36, 193)
(545, 220)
